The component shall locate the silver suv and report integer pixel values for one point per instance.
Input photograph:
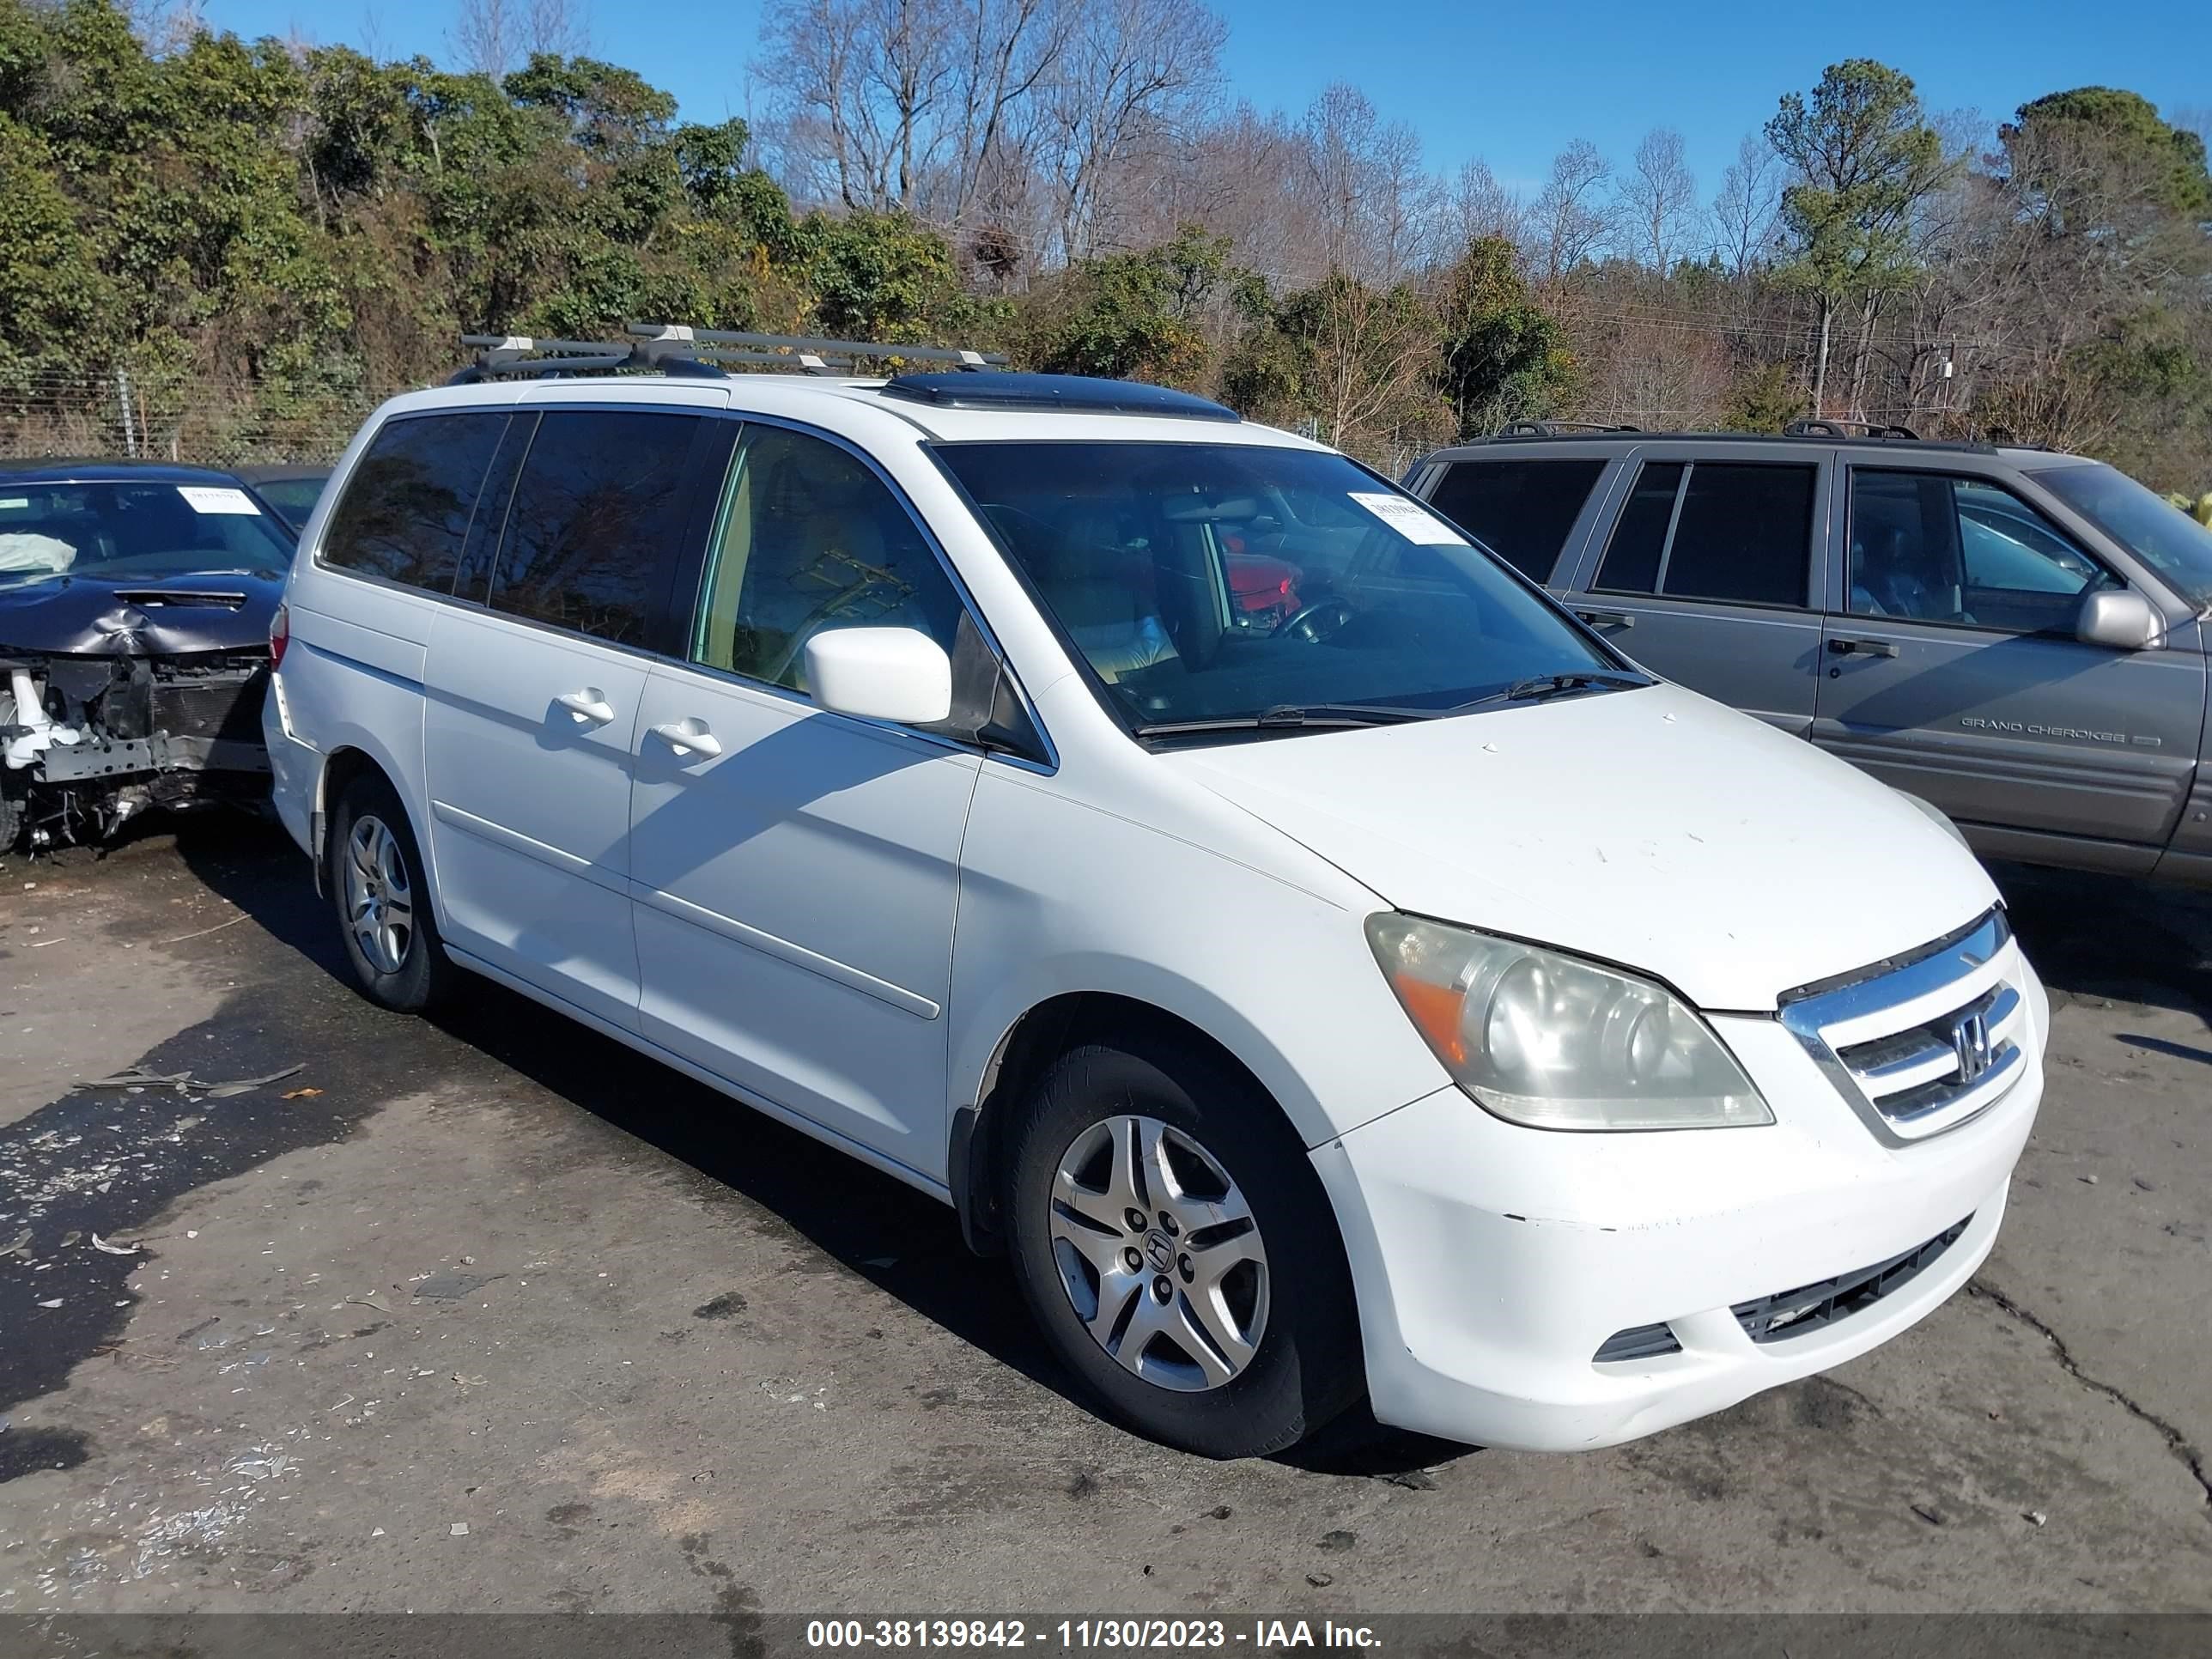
(2016, 636)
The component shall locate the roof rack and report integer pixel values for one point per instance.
(1557, 429)
(1828, 428)
(676, 348)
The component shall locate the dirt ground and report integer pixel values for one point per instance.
(494, 1315)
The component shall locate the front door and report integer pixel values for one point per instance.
(533, 705)
(1708, 580)
(1951, 669)
(796, 873)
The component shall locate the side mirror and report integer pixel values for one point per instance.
(2119, 619)
(880, 674)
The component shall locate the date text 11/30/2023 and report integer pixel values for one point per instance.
(1087, 1635)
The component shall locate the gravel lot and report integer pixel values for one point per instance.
(497, 1315)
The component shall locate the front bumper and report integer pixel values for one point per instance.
(1492, 1261)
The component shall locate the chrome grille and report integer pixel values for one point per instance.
(1921, 1043)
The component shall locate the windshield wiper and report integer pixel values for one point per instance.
(1542, 687)
(1290, 717)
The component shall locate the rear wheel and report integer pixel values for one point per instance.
(383, 903)
(1172, 1239)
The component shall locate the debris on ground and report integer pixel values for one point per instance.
(1934, 1517)
(1338, 1540)
(107, 1248)
(2034, 1517)
(1412, 1479)
(138, 1077)
(245, 1085)
(460, 1529)
(1320, 1580)
(300, 1094)
(452, 1287)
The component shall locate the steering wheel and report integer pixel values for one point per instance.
(1314, 622)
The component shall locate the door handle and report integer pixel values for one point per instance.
(1607, 619)
(589, 705)
(1862, 648)
(688, 737)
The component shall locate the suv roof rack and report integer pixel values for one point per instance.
(676, 348)
(1831, 429)
(1558, 428)
(1797, 432)
(1082, 394)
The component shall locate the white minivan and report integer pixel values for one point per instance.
(1324, 966)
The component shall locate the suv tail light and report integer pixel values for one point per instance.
(280, 635)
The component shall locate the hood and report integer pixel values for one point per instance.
(1650, 828)
(80, 615)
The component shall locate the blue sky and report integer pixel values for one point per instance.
(1511, 83)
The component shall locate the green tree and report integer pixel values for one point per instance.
(1501, 355)
(1864, 157)
(1132, 315)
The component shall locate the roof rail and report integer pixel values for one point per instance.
(676, 348)
(1557, 429)
(1827, 428)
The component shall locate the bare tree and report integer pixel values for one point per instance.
(166, 26)
(1476, 205)
(1131, 70)
(491, 37)
(1568, 222)
(860, 86)
(1750, 196)
(1657, 198)
(1364, 184)
(1010, 47)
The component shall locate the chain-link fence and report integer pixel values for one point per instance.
(197, 420)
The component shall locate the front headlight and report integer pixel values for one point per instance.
(1557, 1043)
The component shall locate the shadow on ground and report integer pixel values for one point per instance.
(861, 1218)
(2090, 937)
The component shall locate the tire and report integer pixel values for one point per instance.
(1215, 1148)
(372, 861)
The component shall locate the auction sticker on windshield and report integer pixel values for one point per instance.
(213, 498)
(1409, 519)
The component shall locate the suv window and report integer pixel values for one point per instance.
(810, 539)
(1938, 548)
(1522, 510)
(1734, 530)
(406, 512)
(1631, 557)
(596, 519)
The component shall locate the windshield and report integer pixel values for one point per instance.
(135, 531)
(2149, 526)
(1228, 581)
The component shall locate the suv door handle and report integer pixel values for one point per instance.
(589, 704)
(688, 737)
(1862, 648)
(1607, 619)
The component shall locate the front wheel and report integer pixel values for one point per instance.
(383, 903)
(1172, 1239)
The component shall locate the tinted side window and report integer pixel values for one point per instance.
(406, 512)
(1934, 547)
(1745, 534)
(810, 539)
(1522, 510)
(597, 516)
(1631, 557)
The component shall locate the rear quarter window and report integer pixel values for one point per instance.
(406, 512)
(1521, 509)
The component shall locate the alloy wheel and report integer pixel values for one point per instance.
(379, 895)
(1159, 1254)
